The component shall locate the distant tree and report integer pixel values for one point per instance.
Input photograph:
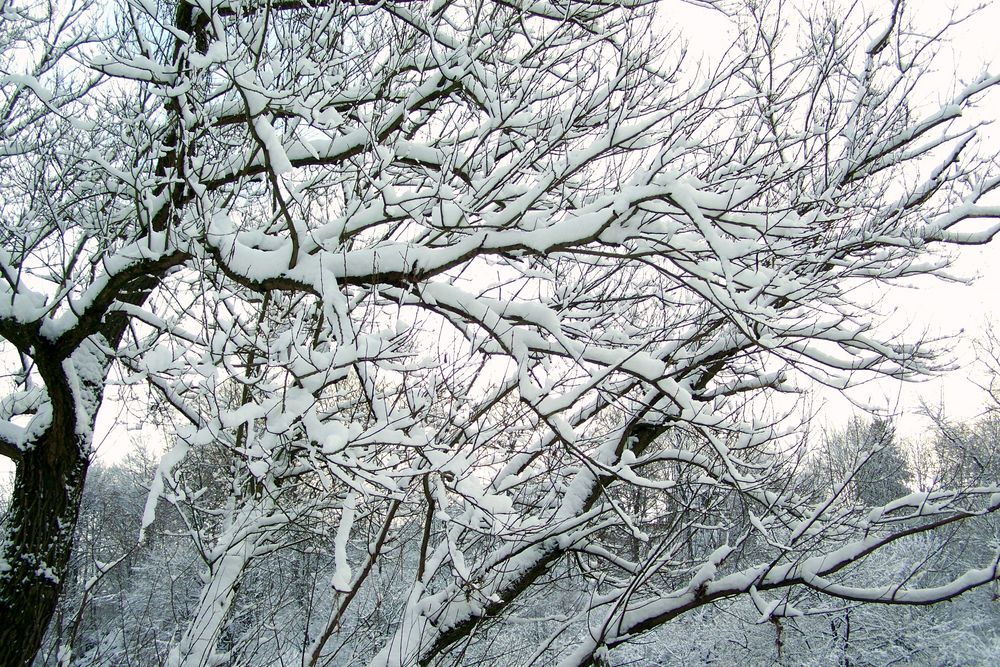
(452, 274)
(865, 456)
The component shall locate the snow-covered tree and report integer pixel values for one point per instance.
(864, 460)
(470, 267)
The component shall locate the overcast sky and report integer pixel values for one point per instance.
(956, 310)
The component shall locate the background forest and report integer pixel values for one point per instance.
(122, 600)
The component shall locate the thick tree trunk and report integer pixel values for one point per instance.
(38, 537)
(48, 489)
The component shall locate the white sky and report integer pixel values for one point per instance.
(952, 309)
(941, 309)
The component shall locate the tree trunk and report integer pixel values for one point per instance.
(48, 489)
(38, 537)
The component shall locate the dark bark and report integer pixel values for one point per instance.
(44, 509)
(38, 535)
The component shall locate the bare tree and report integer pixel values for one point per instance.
(475, 265)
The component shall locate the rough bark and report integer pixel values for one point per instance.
(38, 536)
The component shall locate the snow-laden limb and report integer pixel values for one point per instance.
(616, 616)
(197, 646)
